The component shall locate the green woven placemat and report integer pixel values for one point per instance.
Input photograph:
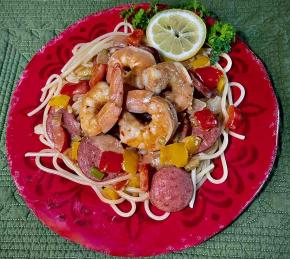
(262, 231)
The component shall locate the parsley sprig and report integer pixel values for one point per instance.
(195, 6)
(140, 18)
(128, 13)
(220, 37)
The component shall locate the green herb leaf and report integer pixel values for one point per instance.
(140, 17)
(127, 13)
(220, 37)
(153, 7)
(96, 173)
(195, 6)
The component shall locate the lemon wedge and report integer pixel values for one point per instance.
(177, 34)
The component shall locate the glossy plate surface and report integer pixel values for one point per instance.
(74, 211)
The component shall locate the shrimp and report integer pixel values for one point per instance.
(137, 100)
(132, 61)
(173, 75)
(152, 136)
(102, 105)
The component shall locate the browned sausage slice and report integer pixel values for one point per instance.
(90, 153)
(171, 189)
(70, 123)
(208, 137)
(201, 87)
(55, 131)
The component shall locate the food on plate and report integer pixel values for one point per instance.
(140, 113)
(171, 189)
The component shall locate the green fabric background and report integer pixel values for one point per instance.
(262, 231)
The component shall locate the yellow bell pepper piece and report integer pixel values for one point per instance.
(130, 161)
(174, 154)
(110, 193)
(59, 101)
(200, 61)
(134, 181)
(74, 150)
(221, 85)
(192, 144)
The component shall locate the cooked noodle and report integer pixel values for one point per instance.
(236, 135)
(225, 172)
(122, 213)
(105, 200)
(142, 196)
(153, 216)
(126, 26)
(228, 67)
(193, 179)
(242, 93)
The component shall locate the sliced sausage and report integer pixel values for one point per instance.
(154, 52)
(201, 87)
(184, 127)
(70, 123)
(208, 137)
(171, 189)
(91, 151)
(55, 131)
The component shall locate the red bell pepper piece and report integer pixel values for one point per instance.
(71, 89)
(98, 74)
(235, 118)
(136, 37)
(206, 119)
(118, 186)
(209, 76)
(111, 162)
(209, 21)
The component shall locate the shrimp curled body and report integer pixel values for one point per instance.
(170, 74)
(155, 134)
(102, 105)
(132, 61)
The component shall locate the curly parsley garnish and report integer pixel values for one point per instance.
(140, 18)
(196, 7)
(127, 13)
(220, 37)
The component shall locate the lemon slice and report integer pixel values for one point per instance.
(177, 34)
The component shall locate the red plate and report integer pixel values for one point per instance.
(74, 211)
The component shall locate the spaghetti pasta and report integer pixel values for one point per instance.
(153, 216)
(193, 179)
(122, 213)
